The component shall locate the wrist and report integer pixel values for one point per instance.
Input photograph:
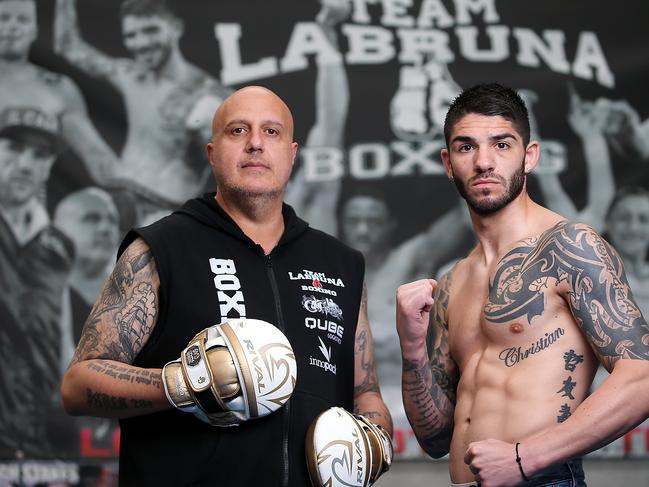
(413, 348)
(519, 461)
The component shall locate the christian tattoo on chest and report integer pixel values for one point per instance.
(590, 277)
(123, 316)
(513, 355)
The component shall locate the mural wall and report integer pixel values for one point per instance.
(109, 106)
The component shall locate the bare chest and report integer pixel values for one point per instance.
(517, 302)
(37, 90)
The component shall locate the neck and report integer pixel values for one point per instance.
(260, 218)
(175, 67)
(87, 285)
(521, 218)
(25, 219)
(374, 260)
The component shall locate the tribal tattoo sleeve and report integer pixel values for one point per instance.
(589, 274)
(126, 310)
(432, 385)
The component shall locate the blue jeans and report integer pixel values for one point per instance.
(569, 474)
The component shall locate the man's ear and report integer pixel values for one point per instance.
(294, 147)
(446, 160)
(210, 150)
(179, 27)
(532, 153)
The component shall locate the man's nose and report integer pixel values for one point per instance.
(138, 41)
(484, 161)
(635, 224)
(255, 142)
(26, 159)
(362, 227)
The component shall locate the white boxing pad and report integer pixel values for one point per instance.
(338, 452)
(232, 372)
(265, 364)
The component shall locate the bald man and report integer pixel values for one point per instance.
(237, 253)
(89, 218)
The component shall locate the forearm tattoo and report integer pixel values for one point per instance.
(126, 373)
(433, 421)
(123, 317)
(369, 382)
(431, 386)
(107, 402)
(363, 353)
(589, 273)
(365, 376)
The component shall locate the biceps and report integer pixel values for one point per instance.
(443, 368)
(119, 330)
(605, 309)
(125, 313)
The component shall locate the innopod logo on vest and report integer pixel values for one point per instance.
(325, 364)
(316, 279)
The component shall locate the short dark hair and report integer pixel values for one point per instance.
(490, 99)
(143, 8)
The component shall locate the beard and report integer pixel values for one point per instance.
(247, 197)
(153, 57)
(491, 205)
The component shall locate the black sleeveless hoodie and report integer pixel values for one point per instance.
(309, 286)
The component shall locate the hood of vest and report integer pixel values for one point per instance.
(208, 212)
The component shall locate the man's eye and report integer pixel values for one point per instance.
(465, 148)
(237, 130)
(15, 146)
(502, 145)
(272, 131)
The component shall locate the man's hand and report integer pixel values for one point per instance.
(229, 373)
(493, 463)
(414, 302)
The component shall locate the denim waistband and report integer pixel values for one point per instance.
(571, 471)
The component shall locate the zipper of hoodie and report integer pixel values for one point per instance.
(280, 324)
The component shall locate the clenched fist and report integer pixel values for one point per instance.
(414, 302)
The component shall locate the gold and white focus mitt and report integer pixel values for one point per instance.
(232, 372)
(345, 449)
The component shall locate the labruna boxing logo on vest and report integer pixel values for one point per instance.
(228, 289)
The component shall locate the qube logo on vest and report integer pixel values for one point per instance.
(228, 289)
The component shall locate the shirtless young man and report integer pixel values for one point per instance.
(499, 376)
(169, 102)
(27, 85)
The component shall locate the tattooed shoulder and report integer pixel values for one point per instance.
(126, 310)
(592, 276)
(442, 295)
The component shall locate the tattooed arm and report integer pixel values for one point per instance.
(367, 395)
(430, 375)
(593, 283)
(100, 380)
